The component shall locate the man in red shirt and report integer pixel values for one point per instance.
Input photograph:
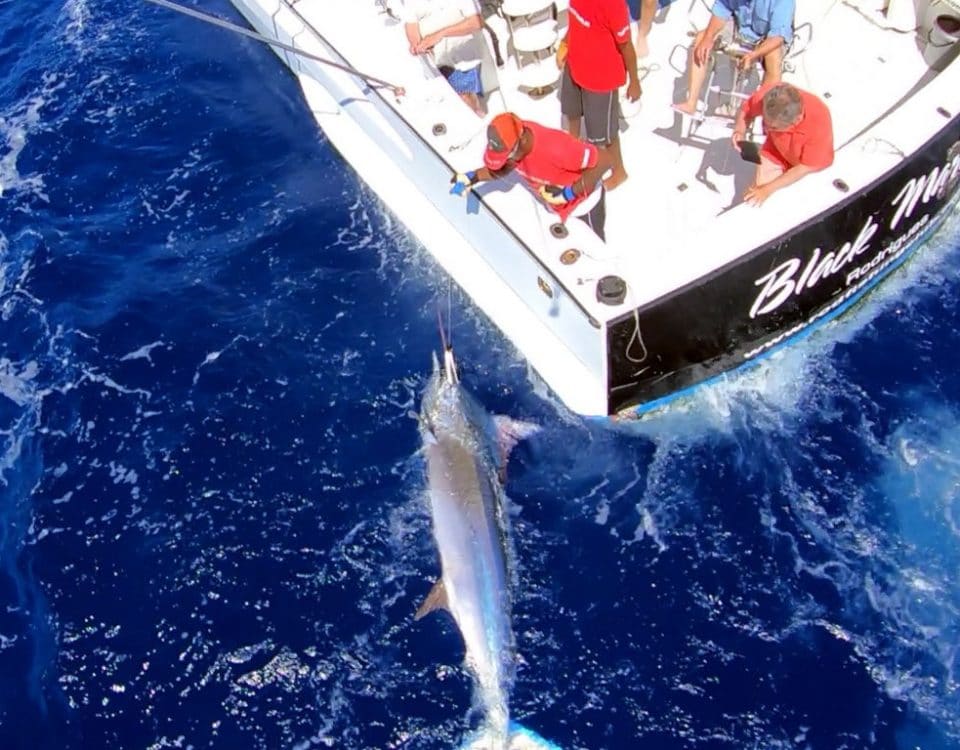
(563, 172)
(598, 57)
(799, 137)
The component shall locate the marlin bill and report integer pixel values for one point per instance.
(466, 451)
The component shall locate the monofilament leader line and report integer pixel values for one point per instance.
(206, 18)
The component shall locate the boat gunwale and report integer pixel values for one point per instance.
(490, 209)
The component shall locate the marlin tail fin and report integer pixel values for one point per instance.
(521, 738)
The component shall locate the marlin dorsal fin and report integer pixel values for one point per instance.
(436, 599)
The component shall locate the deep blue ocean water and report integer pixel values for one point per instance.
(212, 527)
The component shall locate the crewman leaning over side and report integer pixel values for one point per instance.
(597, 57)
(562, 171)
(799, 137)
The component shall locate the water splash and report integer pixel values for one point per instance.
(16, 125)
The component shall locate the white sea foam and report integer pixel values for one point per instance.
(77, 13)
(775, 391)
(143, 352)
(214, 356)
(15, 128)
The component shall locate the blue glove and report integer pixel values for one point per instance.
(461, 182)
(556, 195)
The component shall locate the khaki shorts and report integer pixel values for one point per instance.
(731, 36)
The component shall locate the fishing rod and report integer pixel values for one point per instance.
(213, 20)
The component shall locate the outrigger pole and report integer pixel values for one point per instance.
(213, 20)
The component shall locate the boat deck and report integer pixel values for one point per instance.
(678, 216)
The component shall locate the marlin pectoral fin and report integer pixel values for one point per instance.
(436, 599)
(510, 432)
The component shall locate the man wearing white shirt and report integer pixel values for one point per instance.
(450, 31)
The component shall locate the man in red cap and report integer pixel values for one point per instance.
(598, 58)
(562, 171)
(799, 137)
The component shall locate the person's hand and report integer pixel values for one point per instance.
(561, 53)
(413, 37)
(427, 43)
(556, 195)
(633, 90)
(746, 61)
(756, 195)
(738, 135)
(462, 182)
(702, 51)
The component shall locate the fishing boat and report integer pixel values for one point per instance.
(691, 283)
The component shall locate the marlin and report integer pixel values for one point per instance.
(466, 451)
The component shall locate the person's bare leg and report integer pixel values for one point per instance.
(695, 76)
(569, 93)
(473, 101)
(619, 173)
(773, 66)
(767, 171)
(648, 9)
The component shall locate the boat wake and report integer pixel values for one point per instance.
(806, 507)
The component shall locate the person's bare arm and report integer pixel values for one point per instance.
(648, 9)
(759, 52)
(413, 36)
(463, 27)
(740, 127)
(485, 175)
(463, 182)
(561, 56)
(702, 51)
(629, 56)
(755, 195)
(591, 176)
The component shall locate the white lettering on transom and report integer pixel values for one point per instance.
(923, 188)
(782, 281)
(795, 275)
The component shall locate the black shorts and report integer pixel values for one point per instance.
(596, 217)
(600, 110)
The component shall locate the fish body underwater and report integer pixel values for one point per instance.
(466, 450)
